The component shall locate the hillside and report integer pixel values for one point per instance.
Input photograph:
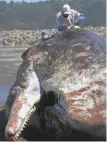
(41, 15)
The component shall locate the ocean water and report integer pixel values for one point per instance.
(10, 59)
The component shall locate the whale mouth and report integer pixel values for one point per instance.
(12, 132)
(25, 101)
(24, 124)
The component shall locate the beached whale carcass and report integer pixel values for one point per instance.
(61, 77)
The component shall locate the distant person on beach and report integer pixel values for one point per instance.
(68, 17)
(4, 42)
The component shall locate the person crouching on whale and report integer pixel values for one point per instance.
(68, 17)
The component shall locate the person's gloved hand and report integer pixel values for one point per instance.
(81, 18)
(62, 27)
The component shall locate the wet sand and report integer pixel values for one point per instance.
(10, 60)
(7, 80)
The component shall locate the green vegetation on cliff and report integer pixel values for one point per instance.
(41, 15)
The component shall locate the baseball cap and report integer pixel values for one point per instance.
(66, 9)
